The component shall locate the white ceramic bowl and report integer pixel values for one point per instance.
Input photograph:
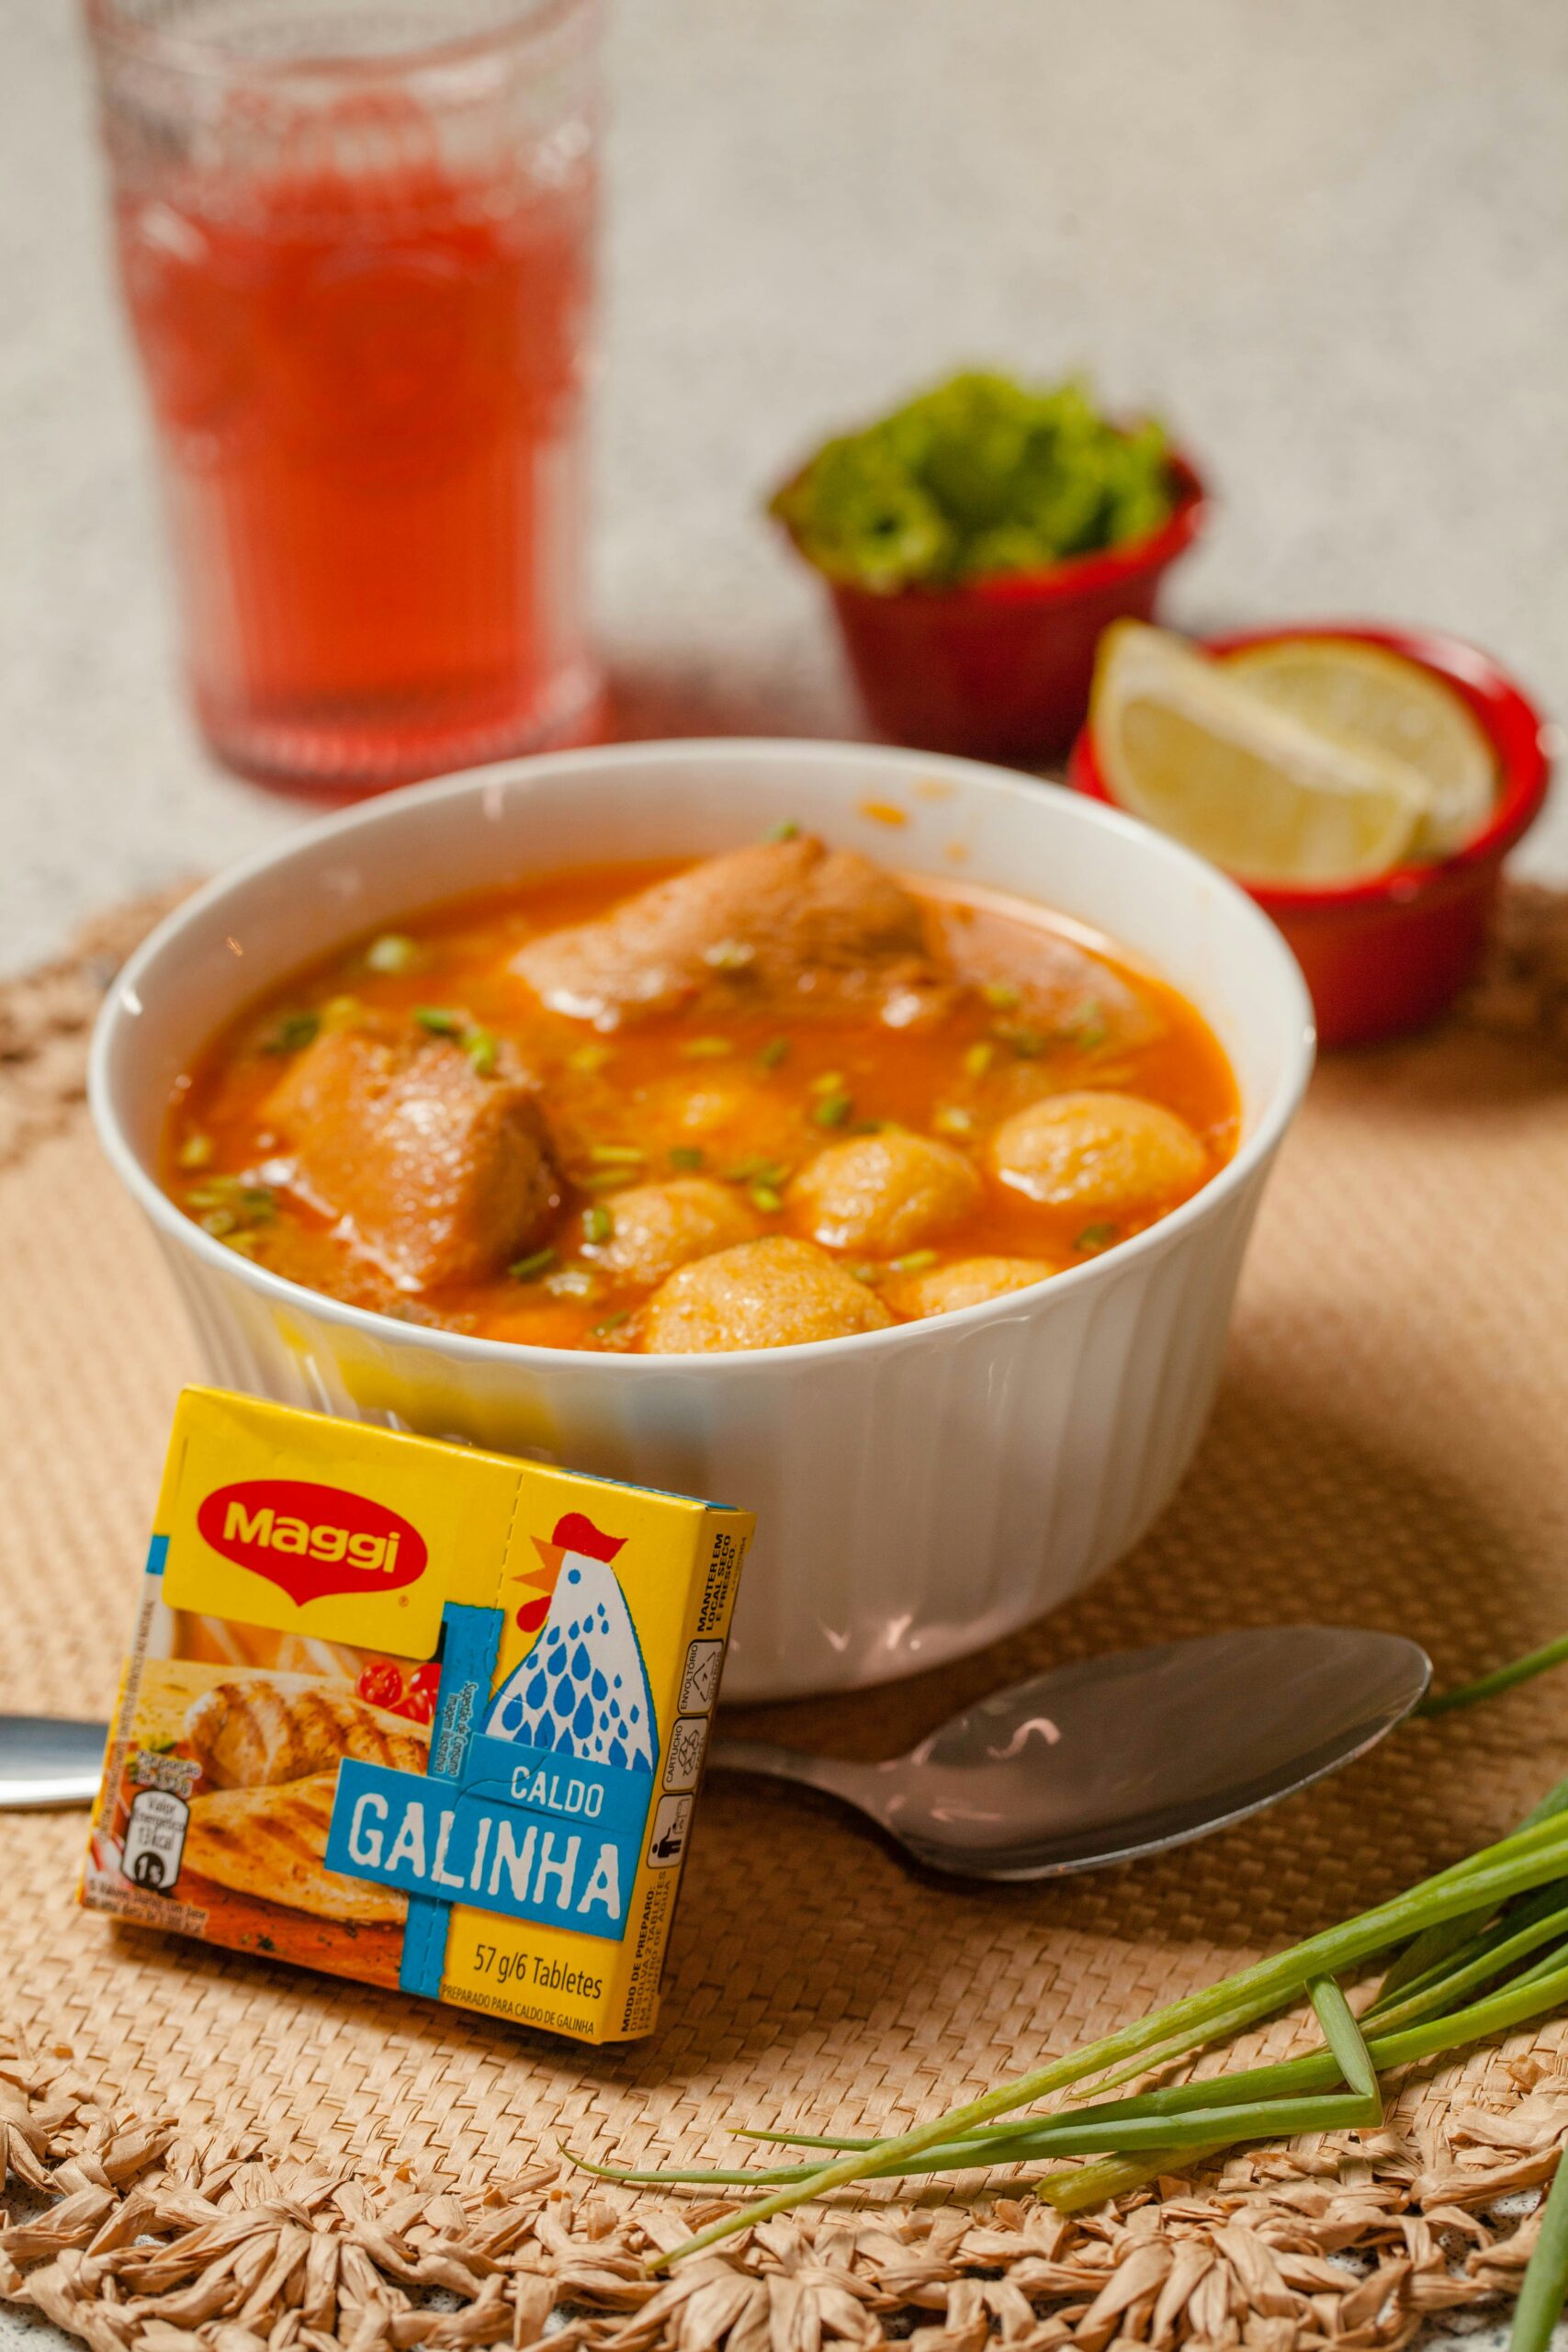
(920, 1491)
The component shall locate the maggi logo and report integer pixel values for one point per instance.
(311, 1540)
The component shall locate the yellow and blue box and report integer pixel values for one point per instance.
(416, 1713)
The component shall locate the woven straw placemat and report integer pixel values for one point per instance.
(251, 2157)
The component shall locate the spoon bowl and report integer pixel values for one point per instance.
(1112, 1757)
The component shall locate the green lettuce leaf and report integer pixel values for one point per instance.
(979, 476)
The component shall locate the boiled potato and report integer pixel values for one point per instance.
(968, 1282)
(769, 1294)
(884, 1193)
(1096, 1152)
(656, 1228)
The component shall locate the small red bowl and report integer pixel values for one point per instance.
(1391, 955)
(1002, 668)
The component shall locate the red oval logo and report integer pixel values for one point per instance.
(309, 1540)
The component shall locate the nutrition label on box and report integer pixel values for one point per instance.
(155, 1838)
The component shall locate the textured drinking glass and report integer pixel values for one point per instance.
(355, 240)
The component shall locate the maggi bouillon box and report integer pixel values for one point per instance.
(419, 1714)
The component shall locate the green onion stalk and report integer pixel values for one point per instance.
(1491, 1936)
(1479, 1949)
(1546, 2280)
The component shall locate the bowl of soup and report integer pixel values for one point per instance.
(866, 1138)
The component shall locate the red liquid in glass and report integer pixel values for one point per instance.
(369, 398)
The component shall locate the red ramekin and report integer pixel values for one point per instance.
(1391, 953)
(1001, 669)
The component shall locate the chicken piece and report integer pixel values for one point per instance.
(656, 1227)
(259, 1729)
(968, 1282)
(1031, 975)
(787, 924)
(771, 1294)
(270, 1842)
(1098, 1151)
(435, 1170)
(884, 1193)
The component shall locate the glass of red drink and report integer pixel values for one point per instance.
(355, 245)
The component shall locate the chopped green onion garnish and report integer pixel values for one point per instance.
(342, 1012)
(979, 1057)
(1002, 995)
(786, 830)
(831, 1111)
(767, 1198)
(1023, 1041)
(1092, 1032)
(604, 1180)
(232, 1204)
(195, 1152)
(611, 1155)
(728, 955)
(951, 1119)
(393, 952)
(707, 1049)
(1095, 1236)
(481, 1049)
(598, 1225)
(756, 1171)
(588, 1058)
(867, 1271)
(828, 1081)
(439, 1021)
(294, 1032)
(914, 1262)
(611, 1323)
(529, 1269)
(773, 1052)
(685, 1155)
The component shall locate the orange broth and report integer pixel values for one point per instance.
(740, 1100)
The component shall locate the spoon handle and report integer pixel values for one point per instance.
(48, 1763)
(827, 1773)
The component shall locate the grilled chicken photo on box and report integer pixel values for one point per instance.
(259, 1730)
(269, 1842)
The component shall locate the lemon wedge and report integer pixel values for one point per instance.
(1189, 748)
(1364, 694)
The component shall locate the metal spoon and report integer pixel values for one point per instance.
(1094, 1763)
(1122, 1755)
(49, 1761)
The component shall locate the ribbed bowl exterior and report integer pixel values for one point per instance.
(911, 1505)
(919, 1491)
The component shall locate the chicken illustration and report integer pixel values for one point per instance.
(582, 1689)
